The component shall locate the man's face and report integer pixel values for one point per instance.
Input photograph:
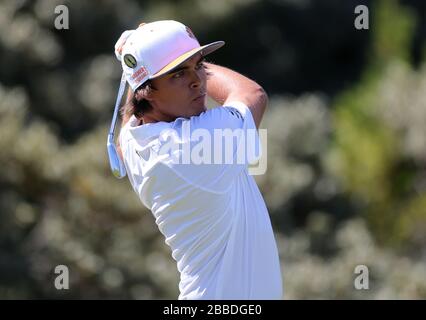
(182, 92)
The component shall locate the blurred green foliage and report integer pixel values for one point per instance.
(368, 153)
(346, 178)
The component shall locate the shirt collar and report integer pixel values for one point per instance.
(145, 131)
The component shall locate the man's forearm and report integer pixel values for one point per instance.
(224, 85)
(223, 81)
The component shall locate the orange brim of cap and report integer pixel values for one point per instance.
(205, 50)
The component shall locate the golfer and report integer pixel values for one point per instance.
(204, 201)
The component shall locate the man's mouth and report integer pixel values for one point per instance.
(200, 97)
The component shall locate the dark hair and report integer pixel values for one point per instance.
(136, 104)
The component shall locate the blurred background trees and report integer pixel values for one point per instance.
(346, 178)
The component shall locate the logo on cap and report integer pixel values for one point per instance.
(130, 60)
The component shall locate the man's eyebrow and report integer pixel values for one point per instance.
(202, 59)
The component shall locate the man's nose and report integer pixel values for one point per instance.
(195, 80)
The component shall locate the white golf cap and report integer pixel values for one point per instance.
(156, 48)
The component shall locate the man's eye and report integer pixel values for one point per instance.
(199, 66)
(178, 74)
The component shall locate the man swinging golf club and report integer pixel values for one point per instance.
(211, 214)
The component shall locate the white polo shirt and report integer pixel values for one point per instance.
(210, 210)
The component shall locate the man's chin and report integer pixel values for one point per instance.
(199, 110)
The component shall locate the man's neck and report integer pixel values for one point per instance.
(153, 117)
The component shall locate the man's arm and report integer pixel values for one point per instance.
(225, 85)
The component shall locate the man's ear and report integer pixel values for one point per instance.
(149, 96)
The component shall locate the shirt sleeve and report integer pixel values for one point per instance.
(215, 147)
